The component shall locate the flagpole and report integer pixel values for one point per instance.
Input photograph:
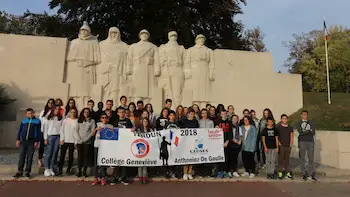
(327, 68)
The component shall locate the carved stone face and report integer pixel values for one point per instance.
(144, 37)
(114, 35)
(84, 33)
(173, 38)
(200, 41)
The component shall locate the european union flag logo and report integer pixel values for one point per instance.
(109, 134)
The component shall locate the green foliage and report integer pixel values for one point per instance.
(214, 19)
(334, 117)
(255, 39)
(307, 57)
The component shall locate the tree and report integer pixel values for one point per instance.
(4, 98)
(214, 19)
(255, 39)
(307, 57)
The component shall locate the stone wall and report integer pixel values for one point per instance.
(332, 148)
(32, 68)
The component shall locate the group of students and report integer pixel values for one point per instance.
(61, 129)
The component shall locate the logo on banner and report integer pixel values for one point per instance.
(140, 148)
(176, 139)
(215, 134)
(199, 147)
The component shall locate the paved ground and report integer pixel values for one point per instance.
(176, 189)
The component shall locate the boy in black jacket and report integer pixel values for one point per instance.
(120, 173)
(27, 140)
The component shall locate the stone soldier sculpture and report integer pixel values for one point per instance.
(199, 66)
(113, 60)
(83, 55)
(143, 65)
(171, 64)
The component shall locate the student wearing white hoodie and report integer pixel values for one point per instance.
(68, 139)
(50, 104)
(86, 126)
(52, 127)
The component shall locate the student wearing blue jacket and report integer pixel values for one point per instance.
(27, 140)
(249, 137)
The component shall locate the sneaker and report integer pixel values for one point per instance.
(185, 177)
(235, 174)
(252, 175)
(103, 181)
(47, 173)
(173, 176)
(263, 166)
(124, 181)
(245, 174)
(28, 176)
(190, 177)
(220, 175)
(79, 174)
(114, 181)
(289, 175)
(18, 175)
(68, 172)
(95, 182)
(59, 173)
(199, 177)
(268, 176)
(304, 177)
(229, 175)
(52, 172)
(280, 175)
(167, 175)
(312, 178)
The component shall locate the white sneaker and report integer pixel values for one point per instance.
(252, 175)
(185, 177)
(245, 174)
(190, 176)
(235, 174)
(47, 173)
(52, 172)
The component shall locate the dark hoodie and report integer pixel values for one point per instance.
(191, 124)
(306, 129)
(160, 123)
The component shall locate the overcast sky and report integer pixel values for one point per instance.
(278, 19)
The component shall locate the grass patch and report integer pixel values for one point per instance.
(335, 116)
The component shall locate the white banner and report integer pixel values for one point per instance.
(121, 147)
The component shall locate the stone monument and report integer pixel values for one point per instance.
(199, 70)
(111, 72)
(83, 55)
(143, 65)
(171, 79)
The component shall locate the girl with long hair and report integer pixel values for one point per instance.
(152, 117)
(249, 136)
(70, 105)
(145, 127)
(180, 114)
(163, 119)
(68, 139)
(50, 105)
(59, 102)
(133, 114)
(86, 126)
(51, 127)
(197, 111)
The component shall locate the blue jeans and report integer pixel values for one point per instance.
(51, 153)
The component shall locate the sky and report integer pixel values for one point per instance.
(278, 19)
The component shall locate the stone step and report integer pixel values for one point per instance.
(325, 172)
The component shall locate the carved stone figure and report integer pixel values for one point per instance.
(83, 55)
(143, 65)
(113, 60)
(199, 67)
(171, 64)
